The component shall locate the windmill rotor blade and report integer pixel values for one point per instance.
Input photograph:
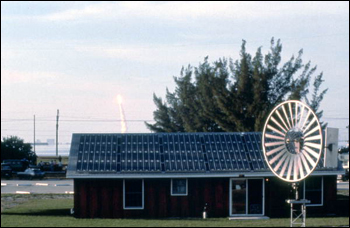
(314, 145)
(306, 119)
(306, 165)
(274, 144)
(274, 137)
(310, 160)
(291, 113)
(295, 169)
(309, 125)
(278, 149)
(313, 138)
(301, 116)
(285, 165)
(296, 114)
(313, 153)
(292, 141)
(278, 124)
(312, 131)
(301, 170)
(290, 168)
(280, 117)
(281, 161)
(275, 130)
(286, 116)
(277, 156)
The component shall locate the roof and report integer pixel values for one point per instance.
(164, 155)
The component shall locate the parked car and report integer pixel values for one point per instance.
(31, 174)
(17, 165)
(6, 171)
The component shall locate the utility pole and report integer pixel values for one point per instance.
(34, 135)
(348, 134)
(57, 117)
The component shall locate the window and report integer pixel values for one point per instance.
(134, 194)
(179, 187)
(312, 189)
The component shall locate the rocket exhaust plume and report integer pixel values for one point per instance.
(122, 116)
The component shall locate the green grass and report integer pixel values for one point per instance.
(55, 213)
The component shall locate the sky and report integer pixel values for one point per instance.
(79, 56)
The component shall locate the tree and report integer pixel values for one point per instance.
(236, 95)
(14, 148)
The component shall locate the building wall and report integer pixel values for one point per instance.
(104, 199)
(278, 191)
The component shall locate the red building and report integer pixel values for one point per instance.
(177, 175)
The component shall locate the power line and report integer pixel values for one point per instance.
(70, 120)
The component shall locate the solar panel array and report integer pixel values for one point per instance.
(169, 153)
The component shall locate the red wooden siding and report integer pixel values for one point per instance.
(104, 199)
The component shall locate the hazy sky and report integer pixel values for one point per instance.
(78, 56)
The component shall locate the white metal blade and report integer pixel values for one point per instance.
(301, 169)
(271, 152)
(277, 157)
(291, 113)
(286, 163)
(311, 152)
(290, 167)
(301, 116)
(314, 145)
(296, 168)
(274, 144)
(306, 119)
(274, 137)
(296, 113)
(275, 130)
(312, 131)
(278, 124)
(306, 165)
(309, 125)
(311, 161)
(285, 115)
(317, 137)
(279, 116)
(281, 161)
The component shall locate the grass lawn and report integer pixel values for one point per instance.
(53, 212)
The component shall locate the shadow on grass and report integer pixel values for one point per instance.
(53, 213)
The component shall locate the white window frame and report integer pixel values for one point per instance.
(143, 197)
(171, 187)
(322, 194)
(247, 200)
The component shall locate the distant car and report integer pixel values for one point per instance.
(16, 165)
(31, 174)
(6, 172)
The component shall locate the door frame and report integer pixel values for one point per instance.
(247, 199)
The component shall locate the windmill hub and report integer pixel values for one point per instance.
(294, 141)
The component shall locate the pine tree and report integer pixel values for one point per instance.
(236, 95)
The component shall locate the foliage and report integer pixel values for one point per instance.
(236, 96)
(13, 147)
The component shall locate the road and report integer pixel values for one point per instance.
(37, 187)
(343, 185)
(62, 186)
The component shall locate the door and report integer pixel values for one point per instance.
(247, 197)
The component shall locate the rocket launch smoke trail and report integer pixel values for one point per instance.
(122, 115)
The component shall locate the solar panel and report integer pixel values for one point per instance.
(169, 153)
(253, 142)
